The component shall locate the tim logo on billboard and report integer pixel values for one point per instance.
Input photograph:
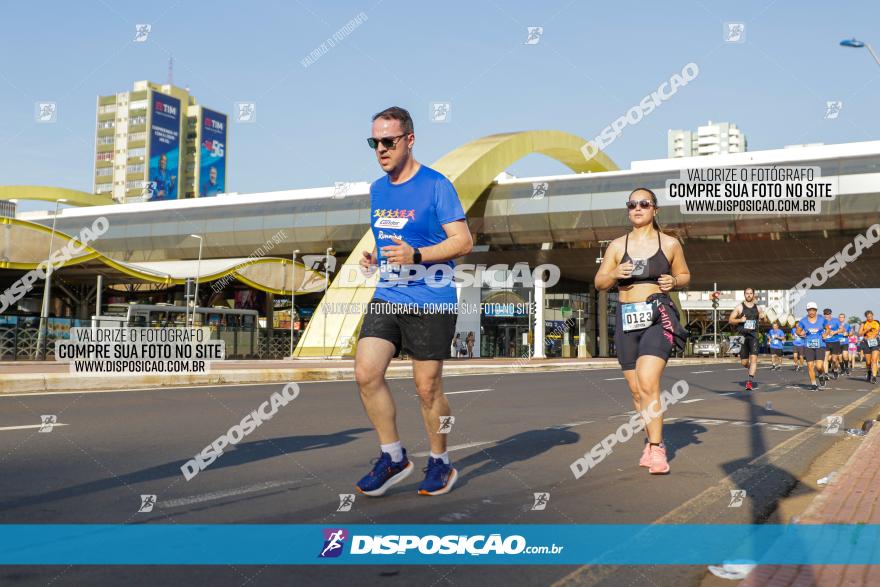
(334, 542)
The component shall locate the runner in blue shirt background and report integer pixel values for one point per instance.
(832, 344)
(843, 338)
(812, 327)
(776, 336)
(798, 354)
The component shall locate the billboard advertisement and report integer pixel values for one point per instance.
(212, 154)
(164, 147)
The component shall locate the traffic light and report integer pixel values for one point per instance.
(715, 296)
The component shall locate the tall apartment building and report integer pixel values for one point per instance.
(156, 142)
(712, 139)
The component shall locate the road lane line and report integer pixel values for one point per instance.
(3, 429)
(730, 393)
(572, 424)
(615, 378)
(467, 391)
(455, 447)
(690, 401)
(174, 503)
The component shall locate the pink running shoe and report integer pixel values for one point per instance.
(659, 465)
(645, 461)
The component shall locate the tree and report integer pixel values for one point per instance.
(853, 320)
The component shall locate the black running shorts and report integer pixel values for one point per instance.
(749, 347)
(833, 346)
(658, 340)
(424, 336)
(814, 354)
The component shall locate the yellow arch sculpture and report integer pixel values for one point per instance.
(471, 168)
(248, 271)
(53, 194)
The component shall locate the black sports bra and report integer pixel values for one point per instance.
(648, 270)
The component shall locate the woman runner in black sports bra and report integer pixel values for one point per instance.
(645, 265)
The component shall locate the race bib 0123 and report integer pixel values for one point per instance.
(637, 316)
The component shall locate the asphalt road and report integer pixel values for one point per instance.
(514, 435)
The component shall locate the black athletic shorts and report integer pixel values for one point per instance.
(659, 339)
(777, 352)
(833, 346)
(749, 347)
(814, 354)
(864, 346)
(424, 336)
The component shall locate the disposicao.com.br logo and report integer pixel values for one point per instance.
(451, 544)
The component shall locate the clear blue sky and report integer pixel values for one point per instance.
(594, 61)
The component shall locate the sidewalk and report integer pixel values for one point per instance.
(39, 376)
(853, 499)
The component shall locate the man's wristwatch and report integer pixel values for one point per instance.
(417, 256)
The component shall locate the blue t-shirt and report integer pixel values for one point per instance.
(415, 212)
(798, 341)
(834, 323)
(776, 343)
(814, 331)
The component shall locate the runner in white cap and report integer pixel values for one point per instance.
(811, 327)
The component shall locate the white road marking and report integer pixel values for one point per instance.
(730, 393)
(454, 447)
(572, 424)
(737, 369)
(690, 401)
(173, 503)
(697, 372)
(464, 391)
(29, 426)
(615, 378)
(467, 391)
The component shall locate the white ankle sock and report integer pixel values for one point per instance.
(444, 457)
(394, 449)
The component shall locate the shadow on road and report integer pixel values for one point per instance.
(519, 447)
(242, 454)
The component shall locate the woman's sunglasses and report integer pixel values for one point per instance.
(387, 142)
(633, 204)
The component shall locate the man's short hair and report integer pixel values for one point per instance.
(399, 114)
(749, 288)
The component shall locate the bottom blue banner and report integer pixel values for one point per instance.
(525, 544)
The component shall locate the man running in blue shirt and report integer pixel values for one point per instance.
(843, 338)
(418, 223)
(776, 336)
(832, 344)
(798, 354)
(812, 327)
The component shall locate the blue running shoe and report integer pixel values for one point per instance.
(385, 474)
(439, 478)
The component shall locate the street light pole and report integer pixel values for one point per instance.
(43, 334)
(856, 44)
(196, 292)
(292, 297)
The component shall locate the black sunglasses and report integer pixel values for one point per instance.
(387, 142)
(632, 204)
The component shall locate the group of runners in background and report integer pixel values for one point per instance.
(829, 346)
